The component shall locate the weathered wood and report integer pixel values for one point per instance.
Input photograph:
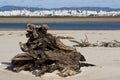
(86, 43)
(46, 53)
(63, 37)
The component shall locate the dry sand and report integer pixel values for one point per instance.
(107, 60)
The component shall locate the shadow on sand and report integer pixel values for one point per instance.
(8, 64)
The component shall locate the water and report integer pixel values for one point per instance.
(68, 26)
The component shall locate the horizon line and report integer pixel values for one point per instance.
(61, 7)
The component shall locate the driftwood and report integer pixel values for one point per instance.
(63, 37)
(44, 52)
(83, 43)
(113, 43)
(86, 43)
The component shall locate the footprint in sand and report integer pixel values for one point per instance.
(0, 65)
(1, 34)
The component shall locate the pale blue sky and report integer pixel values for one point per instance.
(62, 3)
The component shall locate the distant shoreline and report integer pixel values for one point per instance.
(57, 19)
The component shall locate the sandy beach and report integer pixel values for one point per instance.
(57, 19)
(107, 60)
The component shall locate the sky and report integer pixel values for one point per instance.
(62, 3)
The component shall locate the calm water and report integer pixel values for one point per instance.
(68, 26)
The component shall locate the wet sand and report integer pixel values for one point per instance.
(57, 19)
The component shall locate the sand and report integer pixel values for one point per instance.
(57, 19)
(107, 60)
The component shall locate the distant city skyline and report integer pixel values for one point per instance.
(61, 3)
